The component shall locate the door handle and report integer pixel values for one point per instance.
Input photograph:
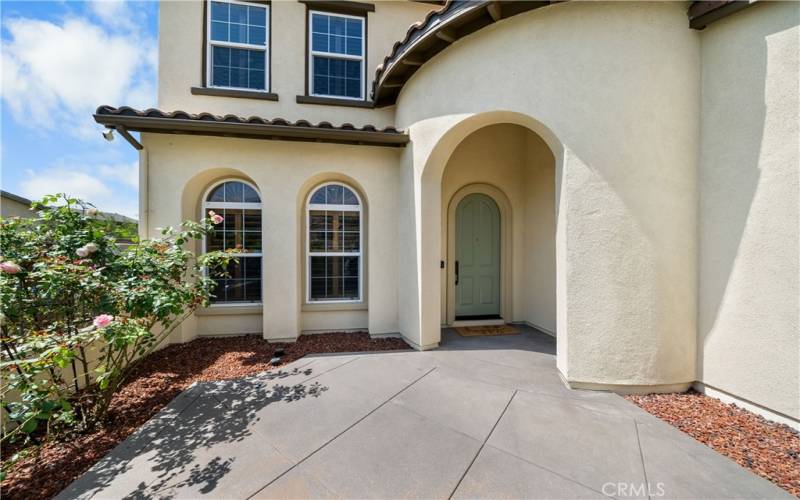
(456, 273)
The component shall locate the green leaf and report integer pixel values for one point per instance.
(30, 426)
(50, 307)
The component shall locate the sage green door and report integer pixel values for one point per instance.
(477, 258)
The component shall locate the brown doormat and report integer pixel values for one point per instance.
(486, 331)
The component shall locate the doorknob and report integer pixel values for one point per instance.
(456, 273)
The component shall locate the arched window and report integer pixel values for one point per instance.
(240, 207)
(334, 263)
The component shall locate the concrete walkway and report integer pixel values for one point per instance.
(479, 417)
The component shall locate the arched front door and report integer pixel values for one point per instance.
(477, 258)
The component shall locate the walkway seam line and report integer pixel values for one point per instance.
(472, 462)
(240, 410)
(334, 438)
(328, 370)
(505, 365)
(551, 471)
(589, 400)
(641, 456)
(303, 381)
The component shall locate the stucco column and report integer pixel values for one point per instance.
(430, 218)
(408, 237)
(421, 190)
(280, 292)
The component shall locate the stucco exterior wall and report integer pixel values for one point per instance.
(749, 312)
(181, 53)
(10, 207)
(539, 232)
(613, 88)
(181, 168)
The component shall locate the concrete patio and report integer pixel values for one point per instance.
(478, 418)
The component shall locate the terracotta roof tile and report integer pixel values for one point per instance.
(158, 121)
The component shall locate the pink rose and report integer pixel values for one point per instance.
(10, 267)
(217, 219)
(103, 320)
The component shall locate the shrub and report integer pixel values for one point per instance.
(78, 311)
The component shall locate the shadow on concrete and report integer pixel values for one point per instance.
(194, 442)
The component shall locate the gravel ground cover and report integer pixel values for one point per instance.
(769, 449)
(51, 467)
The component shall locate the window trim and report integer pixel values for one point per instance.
(308, 207)
(208, 44)
(206, 205)
(343, 6)
(310, 53)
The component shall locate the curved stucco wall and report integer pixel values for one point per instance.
(749, 314)
(617, 84)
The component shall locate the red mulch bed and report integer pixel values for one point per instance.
(769, 449)
(155, 382)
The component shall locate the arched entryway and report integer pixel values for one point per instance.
(498, 206)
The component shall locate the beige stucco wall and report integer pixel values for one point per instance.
(513, 160)
(539, 226)
(181, 168)
(613, 88)
(181, 53)
(749, 313)
(12, 208)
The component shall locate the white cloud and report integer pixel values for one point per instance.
(111, 188)
(57, 74)
(112, 12)
(73, 183)
(129, 174)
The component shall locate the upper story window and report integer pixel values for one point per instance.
(336, 58)
(239, 233)
(238, 45)
(334, 248)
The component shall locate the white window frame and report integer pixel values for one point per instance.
(210, 44)
(360, 254)
(333, 55)
(212, 205)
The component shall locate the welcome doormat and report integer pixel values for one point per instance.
(486, 331)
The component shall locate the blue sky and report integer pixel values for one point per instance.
(60, 60)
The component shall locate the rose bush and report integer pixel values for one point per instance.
(78, 311)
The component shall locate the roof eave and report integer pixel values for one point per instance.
(157, 125)
(443, 28)
(701, 14)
